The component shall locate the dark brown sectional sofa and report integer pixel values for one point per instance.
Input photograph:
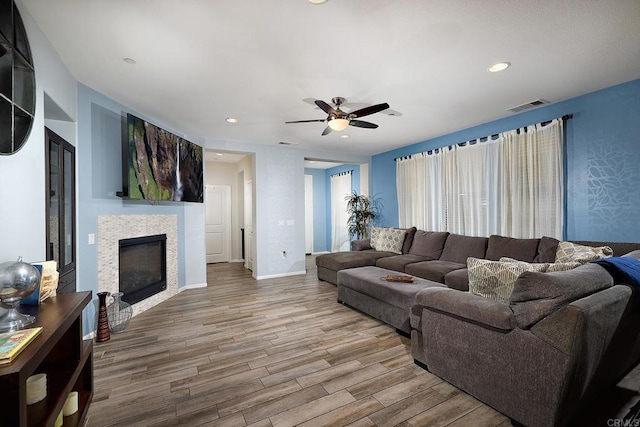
(560, 341)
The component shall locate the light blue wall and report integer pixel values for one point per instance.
(99, 168)
(602, 158)
(319, 209)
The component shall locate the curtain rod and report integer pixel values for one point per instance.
(341, 173)
(482, 139)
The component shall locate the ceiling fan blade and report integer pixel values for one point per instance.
(362, 124)
(369, 110)
(326, 131)
(326, 107)
(307, 121)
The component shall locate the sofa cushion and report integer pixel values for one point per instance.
(570, 252)
(619, 248)
(341, 260)
(433, 270)
(547, 249)
(633, 254)
(428, 244)
(408, 239)
(458, 279)
(536, 295)
(387, 239)
(361, 244)
(458, 248)
(520, 249)
(399, 262)
(495, 279)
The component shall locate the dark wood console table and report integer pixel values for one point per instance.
(61, 353)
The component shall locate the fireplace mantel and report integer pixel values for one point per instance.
(113, 228)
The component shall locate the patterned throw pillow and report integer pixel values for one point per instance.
(387, 239)
(495, 279)
(551, 266)
(571, 252)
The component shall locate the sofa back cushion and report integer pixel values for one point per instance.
(458, 248)
(408, 239)
(547, 249)
(428, 244)
(537, 295)
(520, 249)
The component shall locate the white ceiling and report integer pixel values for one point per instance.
(200, 61)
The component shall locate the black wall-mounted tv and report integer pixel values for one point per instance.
(160, 166)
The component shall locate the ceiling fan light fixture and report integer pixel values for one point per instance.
(338, 124)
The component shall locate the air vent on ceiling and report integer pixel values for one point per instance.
(528, 105)
(286, 143)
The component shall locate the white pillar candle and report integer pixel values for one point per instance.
(71, 405)
(59, 420)
(36, 388)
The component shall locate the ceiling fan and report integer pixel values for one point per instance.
(339, 120)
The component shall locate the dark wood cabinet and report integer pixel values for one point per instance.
(60, 353)
(61, 208)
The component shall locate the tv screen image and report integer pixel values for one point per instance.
(162, 166)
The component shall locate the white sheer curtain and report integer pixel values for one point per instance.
(512, 185)
(470, 174)
(419, 178)
(340, 188)
(532, 181)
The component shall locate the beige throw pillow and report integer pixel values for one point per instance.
(551, 266)
(495, 279)
(572, 252)
(387, 239)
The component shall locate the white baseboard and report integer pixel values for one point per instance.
(194, 286)
(89, 336)
(320, 253)
(275, 276)
(237, 260)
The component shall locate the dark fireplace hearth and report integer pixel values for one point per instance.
(143, 267)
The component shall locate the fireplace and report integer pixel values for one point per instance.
(142, 267)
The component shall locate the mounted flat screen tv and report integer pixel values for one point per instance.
(160, 166)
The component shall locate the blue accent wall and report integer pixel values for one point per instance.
(602, 162)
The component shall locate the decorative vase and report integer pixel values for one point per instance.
(119, 313)
(102, 332)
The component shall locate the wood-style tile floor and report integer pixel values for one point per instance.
(278, 352)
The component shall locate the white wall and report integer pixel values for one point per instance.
(221, 173)
(22, 193)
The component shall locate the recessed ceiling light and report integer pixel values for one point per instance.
(129, 60)
(317, 1)
(499, 67)
(219, 154)
(232, 120)
(344, 136)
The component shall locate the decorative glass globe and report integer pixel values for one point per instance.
(17, 280)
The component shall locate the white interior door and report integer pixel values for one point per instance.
(248, 225)
(218, 223)
(308, 213)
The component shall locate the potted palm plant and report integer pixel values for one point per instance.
(362, 212)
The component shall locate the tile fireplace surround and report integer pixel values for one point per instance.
(113, 228)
